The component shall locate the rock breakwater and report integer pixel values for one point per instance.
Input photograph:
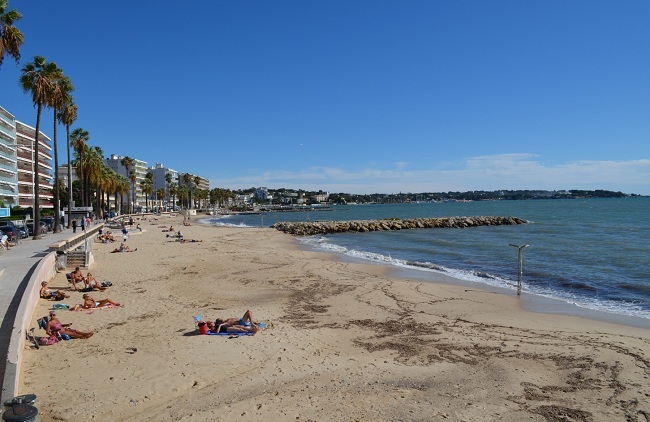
(326, 227)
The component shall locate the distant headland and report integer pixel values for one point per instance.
(320, 197)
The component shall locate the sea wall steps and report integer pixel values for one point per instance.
(326, 227)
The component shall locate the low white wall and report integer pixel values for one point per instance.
(45, 270)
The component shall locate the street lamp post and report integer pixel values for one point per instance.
(521, 261)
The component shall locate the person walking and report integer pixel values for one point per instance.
(74, 226)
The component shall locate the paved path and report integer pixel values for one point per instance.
(16, 267)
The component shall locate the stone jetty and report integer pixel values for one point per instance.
(326, 227)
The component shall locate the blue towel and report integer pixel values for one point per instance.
(211, 333)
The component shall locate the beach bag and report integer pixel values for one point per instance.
(106, 284)
(47, 341)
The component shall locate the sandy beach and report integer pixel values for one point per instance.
(344, 342)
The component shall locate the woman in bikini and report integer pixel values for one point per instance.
(90, 303)
(55, 327)
(92, 283)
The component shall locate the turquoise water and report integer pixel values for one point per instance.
(593, 253)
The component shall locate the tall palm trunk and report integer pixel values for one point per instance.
(57, 222)
(37, 182)
(67, 140)
(80, 176)
(100, 195)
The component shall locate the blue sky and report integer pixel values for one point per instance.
(357, 96)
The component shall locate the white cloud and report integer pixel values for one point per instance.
(492, 172)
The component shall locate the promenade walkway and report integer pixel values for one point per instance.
(16, 268)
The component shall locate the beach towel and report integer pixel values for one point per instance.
(211, 333)
(92, 310)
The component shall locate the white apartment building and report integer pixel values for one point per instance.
(160, 173)
(26, 167)
(114, 162)
(8, 159)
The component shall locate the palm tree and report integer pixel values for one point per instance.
(187, 178)
(62, 97)
(183, 194)
(197, 181)
(38, 78)
(168, 180)
(128, 163)
(78, 139)
(11, 39)
(121, 189)
(133, 177)
(68, 116)
(160, 195)
(95, 173)
(173, 191)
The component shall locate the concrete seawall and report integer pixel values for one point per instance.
(45, 270)
(327, 227)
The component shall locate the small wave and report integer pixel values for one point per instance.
(635, 288)
(222, 224)
(483, 274)
(577, 285)
(426, 265)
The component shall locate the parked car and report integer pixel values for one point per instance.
(30, 227)
(49, 221)
(17, 226)
(11, 232)
(22, 229)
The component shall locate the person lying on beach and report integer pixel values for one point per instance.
(90, 303)
(234, 328)
(55, 327)
(123, 248)
(46, 293)
(92, 283)
(187, 240)
(246, 321)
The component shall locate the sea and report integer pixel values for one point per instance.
(589, 254)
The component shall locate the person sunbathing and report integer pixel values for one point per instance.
(54, 327)
(123, 248)
(46, 293)
(90, 303)
(92, 283)
(244, 324)
(227, 328)
(187, 240)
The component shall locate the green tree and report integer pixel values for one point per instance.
(78, 139)
(11, 39)
(59, 100)
(187, 178)
(68, 117)
(173, 191)
(128, 164)
(168, 181)
(38, 79)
